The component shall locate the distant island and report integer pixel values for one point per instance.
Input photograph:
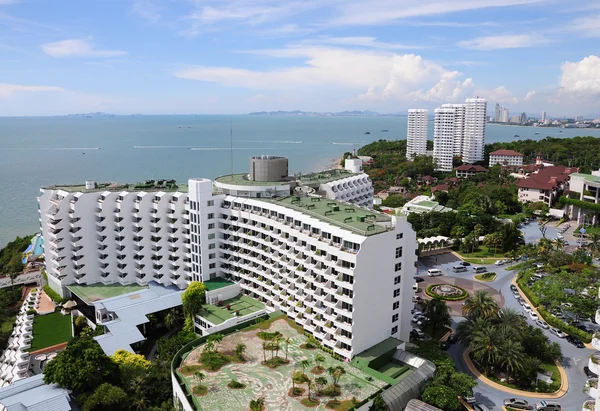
(354, 113)
(97, 114)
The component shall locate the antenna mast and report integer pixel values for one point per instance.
(231, 146)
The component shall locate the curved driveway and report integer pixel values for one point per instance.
(574, 358)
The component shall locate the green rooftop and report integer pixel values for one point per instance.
(167, 186)
(217, 283)
(96, 292)
(347, 216)
(242, 180)
(323, 177)
(587, 177)
(217, 315)
(427, 204)
(378, 362)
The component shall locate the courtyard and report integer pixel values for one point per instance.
(273, 384)
(50, 330)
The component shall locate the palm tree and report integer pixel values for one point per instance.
(309, 384)
(172, 319)
(336, 373)
(485, 347)
(304, 364)
(217, 338)
(264, 347)
(480, 304)
(466, 330)
(239, 350)
(510, 317)
(438, 315)
(257, 404)
(199, 376)
(320, 382)
(319, 359)
(287, 344)
(511, 357)
(558, 243)
(278, 339)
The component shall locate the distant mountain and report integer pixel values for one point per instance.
(353, 113)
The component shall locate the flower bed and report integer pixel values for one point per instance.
(436, 291)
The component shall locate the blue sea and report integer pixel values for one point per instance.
(38, 151)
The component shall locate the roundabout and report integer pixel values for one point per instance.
(446, 292)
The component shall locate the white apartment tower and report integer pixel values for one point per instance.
(307, 246)
(474, 134)
(543, 116)
(416, 133)
(459, 131)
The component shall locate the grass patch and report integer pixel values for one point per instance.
(308, 346)
(556, 381)
(340, 405)
(488, 277)
(8, 324)
(331, 391)
(236, 385)
(298, 391)
(200, 390)
(49, 330)
(275, 362)
(190, 369)
(312, 403)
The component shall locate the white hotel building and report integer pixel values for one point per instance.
(459, 131)
(308, 246)
(416, 133)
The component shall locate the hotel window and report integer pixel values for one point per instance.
(210, 203)
(396, 305)
(212, 266)
(398, 267)
(211, 216)
(211, 246)
(211, 256)
(399, 236)
(211, 226)
(397, 280)
(398, 252)
(394, 330)
(394, 318)
(211, 236)
(396, 292)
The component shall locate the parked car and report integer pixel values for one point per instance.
(567, 305)
(533, 316)
(542, 324)
(575, 341)
(465, 263)
(548, 406)
(588, 373)
(526, 307)
(520, 300)
(557, 332)
(585, 329)
(499, 262)
(419, 279)
(517, 403)
(417, 299)
(480, 407)
(417, 334)
(514, 288)
(470, 400)
(478, 270)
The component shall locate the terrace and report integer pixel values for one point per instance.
(238, 306)
(96, 292)
(242, 180)
(347, 216)
(167, 186)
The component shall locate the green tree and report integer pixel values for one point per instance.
(257, 404)
(199, 376)
(438, 316)
(304, 364)
(173, 318)
(81, 367)
(106, 397)
(466, 330)
(493, 240)
(511, 357)
(480, 304)
(486, 346)
(594, 243)
(442, 397)
(378, 404)
(424, 165)
(192, 298)
(336, 373)
(319, 359)
(239, 350)
(320, 382)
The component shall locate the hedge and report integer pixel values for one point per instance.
(528, 293)
(430, 293)
(563, 326)
(52, 294)
(579, 203)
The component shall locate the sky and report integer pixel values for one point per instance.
(238, 56)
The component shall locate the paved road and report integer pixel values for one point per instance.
(29, 278)
(574, 358)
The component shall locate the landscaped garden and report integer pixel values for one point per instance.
(272, 366)
(487, 277)
(505, 348)
(447, 292)
(49, 330)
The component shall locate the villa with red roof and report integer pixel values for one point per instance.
(545, 184)
(469, 170)
(509, 158)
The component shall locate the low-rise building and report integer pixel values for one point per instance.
(440, 187)
(545, 184)
(423, 204)
(584, 187)
(469, 170)
(507, 158)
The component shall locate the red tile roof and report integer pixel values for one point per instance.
(440, 187)
(472, 167)
(548, 178)
(506, 153)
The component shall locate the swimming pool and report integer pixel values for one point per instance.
(37, 247)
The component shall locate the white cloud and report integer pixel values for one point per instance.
(371, 75)
(588, 26)
(386, 11)
(286, 30)
(146, 10)
(361, 41)
(6, 90)
(530, 95)
(581, 78)
(509, 41)
(499, 95)
(79, 48)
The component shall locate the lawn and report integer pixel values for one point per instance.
(49, 330)
(589, 230)
(7, 325)
(483, 255)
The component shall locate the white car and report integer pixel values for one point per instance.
(526, 307)
(542, 324)
(499, 262)
(557, 332)
(533, 316)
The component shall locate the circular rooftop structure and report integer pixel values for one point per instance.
(268, 168)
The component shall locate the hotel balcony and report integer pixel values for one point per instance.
(591, 388)
(589, 405)
(596, 341)
(594, 363)
(597, 316)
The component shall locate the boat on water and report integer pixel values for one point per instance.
(560, 131)
(516, 135)
(367, 132)
(536, 133)
(384, 131)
